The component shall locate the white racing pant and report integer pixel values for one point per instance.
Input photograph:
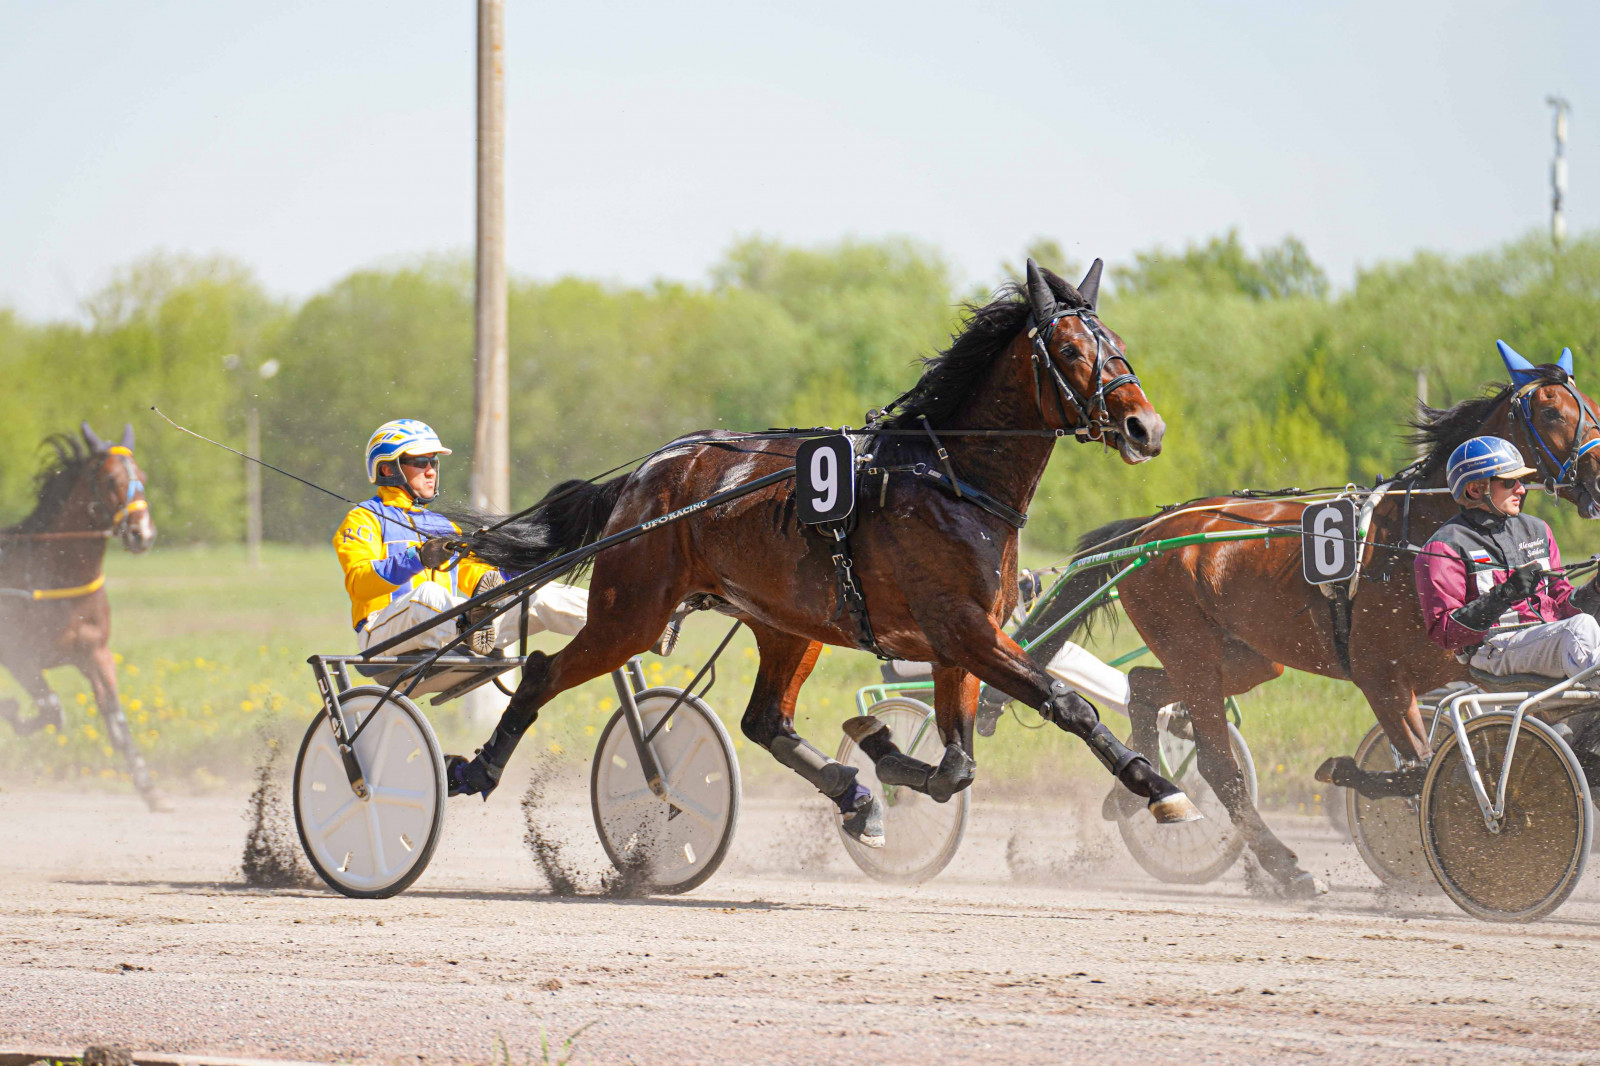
(555, 608)
(1086, 675)
(1553, 649)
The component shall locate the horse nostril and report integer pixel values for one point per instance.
(1133, 428)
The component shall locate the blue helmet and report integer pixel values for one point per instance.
(403, 436)
(1483, 457)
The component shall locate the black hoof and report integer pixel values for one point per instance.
(865, 823)
(956, 771)
(469, 777)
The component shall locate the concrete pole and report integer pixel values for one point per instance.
(1558, 172)
(491, 435)
(252, 485)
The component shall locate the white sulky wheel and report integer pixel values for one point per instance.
(371, 848)
(920, 836)
(1190, 853)
(1530, 867)
(675, 842)
(1386, 831)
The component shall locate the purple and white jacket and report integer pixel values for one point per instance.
(1474, 552)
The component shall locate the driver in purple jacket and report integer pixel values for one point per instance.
(1483, 579)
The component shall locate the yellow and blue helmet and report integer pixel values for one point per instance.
(403, 436)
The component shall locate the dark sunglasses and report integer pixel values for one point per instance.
(421, 462)
(1507, 482)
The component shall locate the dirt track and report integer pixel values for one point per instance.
(115, 925)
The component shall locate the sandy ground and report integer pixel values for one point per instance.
(120, 926)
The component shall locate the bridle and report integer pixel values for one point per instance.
(118, 521)
(1090, 416)
(1565, 473)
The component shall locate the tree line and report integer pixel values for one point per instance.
(1266, 377)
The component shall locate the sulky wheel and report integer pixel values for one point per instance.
(674, 842)
(920, 836)
(1531, 865)
(1386, 830)
(375, 847)
(1190, 852)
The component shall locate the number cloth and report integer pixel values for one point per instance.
(1476, 551)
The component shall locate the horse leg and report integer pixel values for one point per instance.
(786, 661)
(955, 704)
(1203, 689)
(970, 639)
(1395, 706)
(1149, 690)
(100, 668)
(625, 619)
(47, 709)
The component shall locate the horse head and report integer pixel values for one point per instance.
(119, 492)
(1556, 427)
(1083, 365)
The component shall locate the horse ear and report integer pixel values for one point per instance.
(1565, 362)
(127, 435)
(1090, 285)
(1522, 371)
(1040, 298)
(94, 442)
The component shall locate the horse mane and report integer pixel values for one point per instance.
(1441, 429)
(54, 482)
(986, 331)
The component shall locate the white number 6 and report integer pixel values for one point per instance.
(1330, 543)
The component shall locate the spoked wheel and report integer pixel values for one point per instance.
(674, 842)
(1190, 853)
(920, 836)
(1386, 831)
(1531, 865)
(375, 847)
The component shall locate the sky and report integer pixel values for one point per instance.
(307, 140)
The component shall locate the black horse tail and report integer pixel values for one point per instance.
(1079, 586)
(575, 516)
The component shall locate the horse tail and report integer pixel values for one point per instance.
(574, 516)
(1079, 586)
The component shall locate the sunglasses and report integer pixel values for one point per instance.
(421, 462)
(1508, 482)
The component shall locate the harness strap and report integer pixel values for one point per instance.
(961, 490)
(849, 593)
(57, 594)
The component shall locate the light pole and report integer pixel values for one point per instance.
(491, 432)
(1558, 171)
(252, 447)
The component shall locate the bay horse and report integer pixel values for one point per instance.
(53, 606)
(1225, 617)
(934, 558)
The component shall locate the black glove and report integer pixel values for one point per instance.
(1482, 612)
(1587, 598)
(435, 552)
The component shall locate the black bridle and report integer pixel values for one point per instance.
(1090, 417)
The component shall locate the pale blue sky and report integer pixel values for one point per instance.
(310, 139)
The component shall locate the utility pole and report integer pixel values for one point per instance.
(1558, 171)
(491, 434)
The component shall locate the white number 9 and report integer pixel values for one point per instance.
(825, 478)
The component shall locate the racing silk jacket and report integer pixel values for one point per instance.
(1474, 552)
(377, 547)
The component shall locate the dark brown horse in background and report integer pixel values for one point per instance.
(53, 607)
(938, 568)
(1224, 617)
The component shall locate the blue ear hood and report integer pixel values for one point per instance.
(1565, 362)
(1522, 371)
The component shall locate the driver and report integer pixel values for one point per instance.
(396, 565)
(1479, 577)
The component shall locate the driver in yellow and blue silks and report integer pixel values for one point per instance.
(398, 576)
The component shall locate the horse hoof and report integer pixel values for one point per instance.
(1333, 771)
(956, 772)
(1304, 886)
(862, 726)
(1173, 809)
(865, 823)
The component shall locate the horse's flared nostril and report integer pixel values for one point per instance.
(1144, 432)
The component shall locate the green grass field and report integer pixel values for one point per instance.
(212, 663)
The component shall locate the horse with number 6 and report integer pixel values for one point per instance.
(928, 569)
(53, 606)
(1224, 617)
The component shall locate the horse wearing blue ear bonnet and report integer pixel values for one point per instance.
(1525, 379)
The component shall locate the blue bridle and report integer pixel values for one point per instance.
(1565, 472)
